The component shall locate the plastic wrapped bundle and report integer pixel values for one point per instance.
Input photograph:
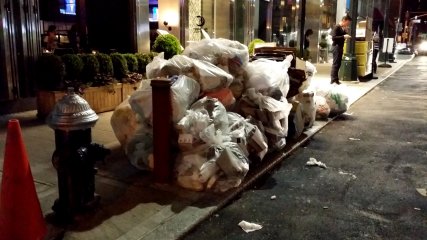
(142, 104)
(140, 149)
(308, 107)
(322, 108)
(202, 113)
(228, 54)
(216, 162)
(210, 77)
(124, 123)
(184, 92)
(247, 136)
(215, 110)
(227, 154)
(267, 76)
(336, 97)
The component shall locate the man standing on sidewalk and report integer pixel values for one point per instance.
(339, 35)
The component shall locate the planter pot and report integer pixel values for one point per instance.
(46, 100)
(100, 99)
(103, 99)
(128, 89)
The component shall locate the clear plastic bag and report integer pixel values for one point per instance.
(272, 113)
(306, 98)
(216, 111)
(209, 76)
(140, 149)
(310, 71)
(184, 92)
(216, 51)
(266, 75)
(124, 123)
(337, 99)
(228, 155)
(141, 103)
(322, 108)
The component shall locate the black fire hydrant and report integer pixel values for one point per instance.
(75, 156)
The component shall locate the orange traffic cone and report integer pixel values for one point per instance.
(21, 217)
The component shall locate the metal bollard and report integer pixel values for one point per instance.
(75, 156)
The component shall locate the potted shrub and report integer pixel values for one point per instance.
(50, 72)
(131, 61)
(143, 60)
(168, 44)
(120, 67)
(73, 68)
(49, 81)
(90, 68)
(105, 64)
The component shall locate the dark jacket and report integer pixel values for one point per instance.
(338, 36)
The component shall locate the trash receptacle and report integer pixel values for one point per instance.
(348, 69)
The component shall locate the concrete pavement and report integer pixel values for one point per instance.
(132, 207)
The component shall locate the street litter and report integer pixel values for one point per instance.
(249, 227)
(422, 191)
(273, 197)
(346, 173)
(417, 209)
(354, 139)
(314, 162)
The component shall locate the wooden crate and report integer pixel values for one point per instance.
(103, 99)
(128, 89)
(100, 99)
(46, 101)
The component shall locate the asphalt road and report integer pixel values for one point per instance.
(376, 159)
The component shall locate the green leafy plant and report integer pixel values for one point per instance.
(105, 64)
(90, 67)
(73, 66)
(323, 43)
(251, 45)
(168, 44)
(120, 67)
(50, 72)
(143, 60)
(131, 61)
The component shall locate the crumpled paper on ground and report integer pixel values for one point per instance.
(249, 227)
(314, 162)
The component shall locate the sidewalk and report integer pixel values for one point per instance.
(132, 207)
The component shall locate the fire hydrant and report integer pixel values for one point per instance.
(75, 156)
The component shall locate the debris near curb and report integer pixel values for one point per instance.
(422, 191)
(249, 227)
(314, 162)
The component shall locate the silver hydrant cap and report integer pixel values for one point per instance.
(72, 112)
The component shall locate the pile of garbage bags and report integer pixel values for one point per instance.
(228, 112)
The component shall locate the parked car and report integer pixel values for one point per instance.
(421, 48)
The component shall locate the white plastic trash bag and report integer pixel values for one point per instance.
(266, 75)
(184, 92)
(139, 150)
(209, 76)
(216, 111)
(337, 100)
(322, 108)
(219, 52)
(306, 98)
(124, 123)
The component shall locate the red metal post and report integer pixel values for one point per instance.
(162, 130)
